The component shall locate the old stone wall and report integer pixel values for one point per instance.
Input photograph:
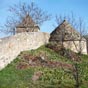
(76, 46)
(27, 29)
(10, 47)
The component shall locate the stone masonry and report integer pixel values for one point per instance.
(10, 47)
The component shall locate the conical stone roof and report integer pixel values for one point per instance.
(26, 21)
(66, 32)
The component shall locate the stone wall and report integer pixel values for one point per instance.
(10, 47)
(27, 29)
(76, 46)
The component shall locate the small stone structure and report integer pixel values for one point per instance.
(70, 38)
(10, 47)
(27, 25)
(28, 38)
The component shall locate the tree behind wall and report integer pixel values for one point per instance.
(19, 11)
(78, 24)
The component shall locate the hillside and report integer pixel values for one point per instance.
(11, 46)
(43, 68)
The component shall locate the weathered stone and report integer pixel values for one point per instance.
(27, 25)
(10, 47)
(70, 38)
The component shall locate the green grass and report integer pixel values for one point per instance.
(11, 77)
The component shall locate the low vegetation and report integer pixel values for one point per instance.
(44, 68)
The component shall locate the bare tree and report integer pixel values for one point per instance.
(19, 11)
(78, 24)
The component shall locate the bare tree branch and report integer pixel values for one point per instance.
(19, 11)
(78, 24)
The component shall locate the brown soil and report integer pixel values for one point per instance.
(30, 60)
(63, 52)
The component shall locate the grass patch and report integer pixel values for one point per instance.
(11, 77)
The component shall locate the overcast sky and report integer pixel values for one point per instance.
(78, 7)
